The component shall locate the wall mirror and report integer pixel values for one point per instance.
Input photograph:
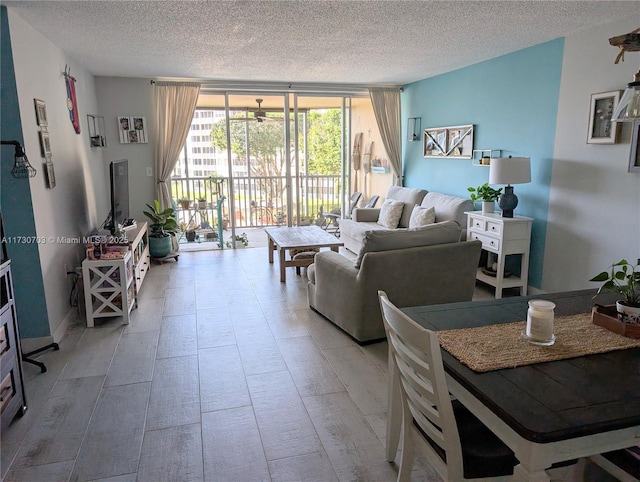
(455, 142)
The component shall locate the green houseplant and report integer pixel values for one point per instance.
(623, 278)
(486, 194)
(184, 203)
(163, 225)
(239, 238)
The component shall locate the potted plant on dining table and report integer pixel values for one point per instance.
(623, 278)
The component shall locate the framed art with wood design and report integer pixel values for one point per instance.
(453, 142)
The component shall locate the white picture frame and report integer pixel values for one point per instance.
(132, 129)
(602, 130)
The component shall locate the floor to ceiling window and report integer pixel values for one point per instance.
(268, 168)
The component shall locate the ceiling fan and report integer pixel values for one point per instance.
(258, 115)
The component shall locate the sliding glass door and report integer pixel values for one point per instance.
(277, 158)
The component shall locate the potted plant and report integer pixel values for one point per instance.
(240, 240)
(163, 225)
(202, 202)
(486, 194)
(623, 278)
(184, 203)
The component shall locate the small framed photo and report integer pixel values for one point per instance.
(41, 112)
(45, 144)
(50, 174)
(634, 157)
(602, 130)
(132, 130)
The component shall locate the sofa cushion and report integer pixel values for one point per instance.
(311, 273)
(390, 213)
(437, 233)
(410, 197)
(448, 207)
(421, 217)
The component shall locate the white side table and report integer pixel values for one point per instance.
(502, 236)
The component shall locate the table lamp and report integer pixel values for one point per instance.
(509, 170)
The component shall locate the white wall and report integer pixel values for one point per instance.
(363, 120)
(594, 211)
(69, 210)
(119, 96)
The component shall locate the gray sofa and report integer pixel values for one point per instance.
(422, 267)
(447, 207)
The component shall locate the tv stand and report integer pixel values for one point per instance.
(111, 286)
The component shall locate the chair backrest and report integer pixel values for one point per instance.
(353, 201)
(373, 200)
(415, 352)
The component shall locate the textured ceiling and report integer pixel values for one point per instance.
(361, 42)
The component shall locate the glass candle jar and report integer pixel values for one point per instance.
(540, 317)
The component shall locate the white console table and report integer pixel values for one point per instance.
(502, 236)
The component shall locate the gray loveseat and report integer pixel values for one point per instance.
(447, 207)
(422, 267)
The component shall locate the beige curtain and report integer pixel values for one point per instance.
(386, 107)
(175, 105)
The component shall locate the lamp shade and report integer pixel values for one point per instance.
(510, 170)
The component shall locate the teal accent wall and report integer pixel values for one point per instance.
(17, 210)
(512, 101)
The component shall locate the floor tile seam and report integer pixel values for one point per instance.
(353, 400)
(93, 413)
(262, 440)
(48, 398)
(144, 423)
(322, 442)
(304, 455)
(306, 411)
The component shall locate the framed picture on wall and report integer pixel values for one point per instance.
(602, 130)
(50, 175)
(132, 129)
(634, 157)
(45, 144)
(41, 113)
(453, 142)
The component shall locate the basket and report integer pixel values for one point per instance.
(607, 317)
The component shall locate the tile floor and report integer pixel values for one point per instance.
(223, 374)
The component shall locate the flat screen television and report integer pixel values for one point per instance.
(119, 187)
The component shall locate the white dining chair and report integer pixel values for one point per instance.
(623, 464)
(459, 446)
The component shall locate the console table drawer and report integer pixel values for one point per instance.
(482, 225)
(487, 241)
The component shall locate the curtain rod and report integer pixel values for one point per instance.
(295, 87)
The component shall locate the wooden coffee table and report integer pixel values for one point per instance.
(285, 239)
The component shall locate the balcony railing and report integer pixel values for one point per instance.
(259, 201)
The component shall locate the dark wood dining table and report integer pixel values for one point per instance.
(547, 412)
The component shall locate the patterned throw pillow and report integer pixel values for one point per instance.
(390, 213)
(422, 216)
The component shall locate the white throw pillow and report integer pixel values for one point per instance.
(390, 213)
(422, 216)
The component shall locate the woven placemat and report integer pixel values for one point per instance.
(494, 347)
